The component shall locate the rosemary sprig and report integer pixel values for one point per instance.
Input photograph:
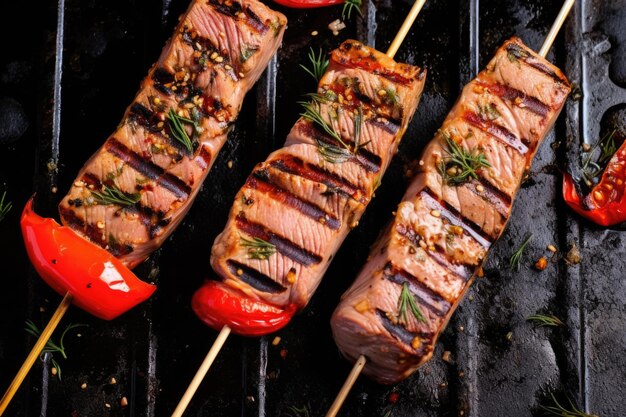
(590, 168)
(319, 64)
(407, 300)
(313, 113)
(293, 411)
(258, 248)
(461, 165)
(543, 320)
(246, 52)
(332, 153)
(514, 263)
(177, 128)
(560, 411)
(113, 195)
(51, 346)
(4, 207)
(350, 5)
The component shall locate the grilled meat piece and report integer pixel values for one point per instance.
(445, 224)
(296, 208)
(135, 190)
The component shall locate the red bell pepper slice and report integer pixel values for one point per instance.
(308, 4)
(218, 305)
(98, 282)
(606, 203)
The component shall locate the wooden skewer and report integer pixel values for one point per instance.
(404, 29)
(547, 44)
(347, 386)
(36, 351)
(556, 27)
(204, 368)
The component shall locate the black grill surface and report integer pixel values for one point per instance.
(68, 70)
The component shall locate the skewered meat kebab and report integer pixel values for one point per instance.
(421, 267)
(134, 191)
(297, 207)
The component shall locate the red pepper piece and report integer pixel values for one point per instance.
(606, 203)
(218, 305)
(308, 4)
(98, 282)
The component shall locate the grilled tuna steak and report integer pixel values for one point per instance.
(422, 265)
(296, 208)
(135, 190)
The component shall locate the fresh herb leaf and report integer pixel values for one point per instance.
(51, 346)
(350, 5)
(258, 248)
(389, 96)
(461, 165)
(312, 113)
(246, 52)
(319, 64)
(593, 168)
(177, 128)
(514, 263)
(4, 207)
(332, 153)
(560, 411)
(489, 111)
(58, 368)
(542, 320)
(304, 411)
(407, 300)
(113, 195)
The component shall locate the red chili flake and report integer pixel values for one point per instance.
(393, 397)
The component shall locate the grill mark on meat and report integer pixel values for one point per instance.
(93, 233)
(234, 9)
(460, 270)
(296, 166)
(283, 245)
(93, 180)
(403, 335)
(145, 167)
(427, 297)
(204, 158)
(527, 58)
(148, 119)
(498, 199)
(390, 125)
(519, 98)
(368, 160)
(204, 48)
(254, 278)
(259, 180)
(370, 64)
(497, 131)
(454, 217)
(161, 77)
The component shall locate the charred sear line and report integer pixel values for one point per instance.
(264, 184)
(91, 180)
(495, 130)
(403, 335)
(462, 271)
(455, 218)
(491, 194)
(296, 166)
(145, 167)
(283, 245)
(254, 278)
(427, 297)
(154, 221)
(518, 54)
(368, 160)
(519, 99)
(148, 119)
(234, 9)
(94, 234)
